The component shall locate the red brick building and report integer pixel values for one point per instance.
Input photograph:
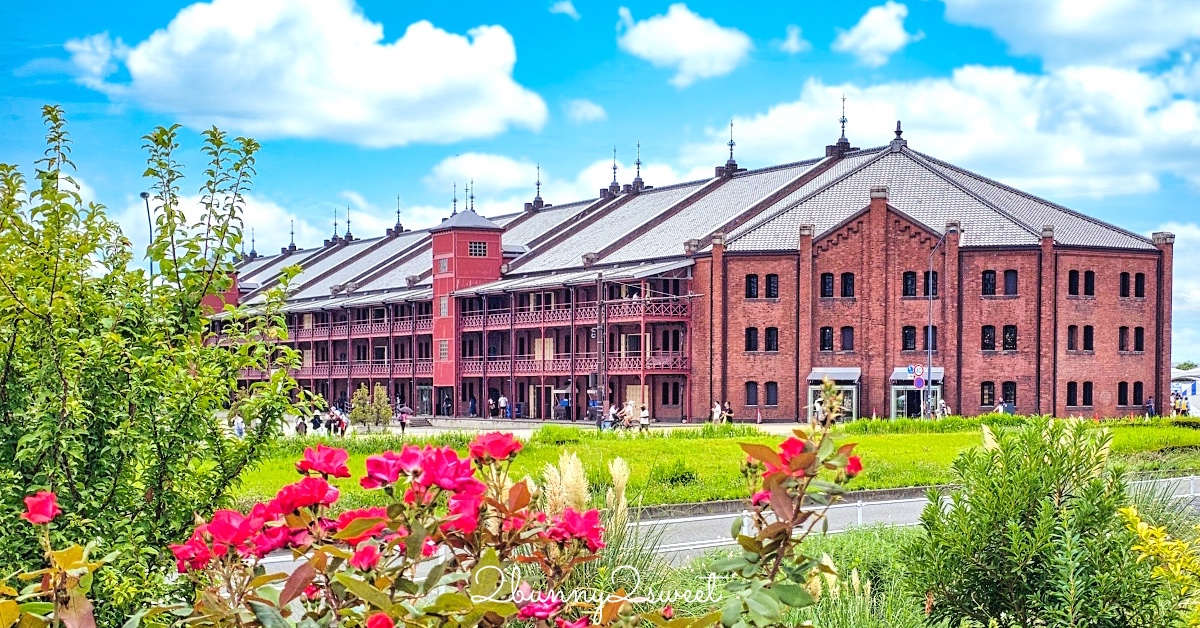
(751, 287)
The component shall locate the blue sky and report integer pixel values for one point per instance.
(1094, 105)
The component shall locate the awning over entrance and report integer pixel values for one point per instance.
(900, 374)
(836, 373)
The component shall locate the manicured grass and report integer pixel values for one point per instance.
(696, 466)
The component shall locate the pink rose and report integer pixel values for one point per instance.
(365, 558)
(380, 620)
(853, 466)
(41, 508)
(581, 526)
(494, 446)
(328, 461)
(385, 469)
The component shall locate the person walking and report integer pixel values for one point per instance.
(716, 412)
(503, 405)
(472, 407)
(644, 421)
(316, 423)
(727, 413)
(239, 426)
(404, 411)
(1150, 407)
(943, 410)
(301, 427)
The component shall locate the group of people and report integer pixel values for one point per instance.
(722, 414)
(624, 415)
(334, 423)
(1180, 405)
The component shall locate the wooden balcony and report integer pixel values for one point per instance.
(584, 314)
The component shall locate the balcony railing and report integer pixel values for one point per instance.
(584, 314)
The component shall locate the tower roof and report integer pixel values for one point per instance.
(467, 219)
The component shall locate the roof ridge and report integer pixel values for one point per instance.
(804, 198)
(1052, 204)
(794, 164)
(917, 159)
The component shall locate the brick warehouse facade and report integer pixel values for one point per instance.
(751, 287)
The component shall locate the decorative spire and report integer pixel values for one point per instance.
(243, 243)
(538, 183)
(471, 198)
(638, 163)
(731, 143)
(292, 232)
(842, 120)
(253, 252)
(349, 236)
(335, 224)
(614, 181)
(898, 131)
(454, 211)
(397, 212)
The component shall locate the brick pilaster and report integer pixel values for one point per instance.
(1047, 366)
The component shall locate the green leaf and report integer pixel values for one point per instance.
(364, 591)
(486, 576)
(37, 608)
(793, 595)
(763, 603)
(449, 603)
(268, 615)
(358, 527)
(729, 564)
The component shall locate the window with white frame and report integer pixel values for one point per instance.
(477, 249)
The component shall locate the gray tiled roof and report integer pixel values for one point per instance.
(709, 212)
(275, 264)
(248, 266)
(599, 233)
(544, 220)
(361, 262)
(466, 219)
(576, 277)
(1070, 228)
(397, 278)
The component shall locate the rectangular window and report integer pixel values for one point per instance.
(1089, 283)
(1073, 338)
(988, 339)
(772, 286)
(1139, 339)
(989, 283)
(1124, 285)
(930, 338)
(1010, 337)
(847, 339)
(772, 389)
(477, 249)
(751, 339)
(908, 339)
(826, 339)
(443, 265)
(1073, 283)
(1139, 285)
(931, 284)
(1123, 394)
(1010, 282)
(910, 284)
(443, 350)
(1072, 394)
(1137, 393)
(443, 306)
(1123, 339)
(675, 387)
(1009, 392)
(752, 393)
(827, 285)
(847, 284)
(987, 394)
(1088, 338)
(751, 286)
(772, 339)
(1087, 394)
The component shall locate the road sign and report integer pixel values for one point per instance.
(918, 383)
(911, 368)
(918, 370)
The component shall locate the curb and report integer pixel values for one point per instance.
(733, 506)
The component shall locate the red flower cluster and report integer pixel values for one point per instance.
(428, 468)
(41, 508)
(494, 446)
(380, 620)
(328, 461)
(310, 491)
(581, 526)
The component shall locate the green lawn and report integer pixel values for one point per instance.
(689, 467)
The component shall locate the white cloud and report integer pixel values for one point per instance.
(695, 47)
(877, 35)
(491, 173)
(795, 42)
(1083, 131)
(1122, 32)
(565, 7)
(318, 69)
(582, 110)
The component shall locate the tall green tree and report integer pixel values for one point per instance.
(111, 380)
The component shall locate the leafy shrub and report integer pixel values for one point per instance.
(676, 474)
(931, 426)
(1033, 536)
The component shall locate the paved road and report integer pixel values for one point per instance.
(683, 538)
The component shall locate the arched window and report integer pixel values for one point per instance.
(827, 285)
(1073, 338)
(772, 286)
(908, 338)
(910, 284)
(826, 339)
(989, 283)
(1008, 390)
(847, 284)
(751, 286)
(1124, 285)
(1139, 339)
(752, 393)
(1087, 394)
(1073, 283)
(847, 339)
(751, 339)
(772, 339)
(1072, 394)
(930, 339)
(987, 394)
(931, 284)
(1010, 337)
(1088, 337)
(772, 390)
(988, 340)
(1089, 283)
(1137, 393)
(1123, 393)
(1123, 339)
(1010, 282)
(1139, 285)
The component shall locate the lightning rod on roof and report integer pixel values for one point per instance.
(335, 223)
(455, 210)
(538, 183)
(348, 234)
(471, 198)
(253, 252)
(614, 181)
(638, 162)
(292, 231)
(842, 120)
(731, 143)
